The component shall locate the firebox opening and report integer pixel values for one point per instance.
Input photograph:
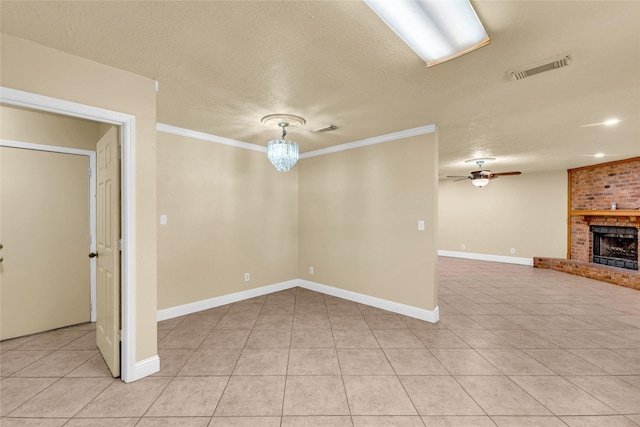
(615, 246)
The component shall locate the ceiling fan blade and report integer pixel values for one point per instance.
(506, 173)
(457, 176)
(462, 179)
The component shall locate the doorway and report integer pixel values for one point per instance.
(126, 123)
(60, 205)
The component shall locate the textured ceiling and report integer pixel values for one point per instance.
(221, 66)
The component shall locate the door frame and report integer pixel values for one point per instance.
(92, 199)
(126, 123)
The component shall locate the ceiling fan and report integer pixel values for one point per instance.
(481, 177)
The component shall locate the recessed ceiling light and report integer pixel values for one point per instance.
(608, 122)
(598, 155)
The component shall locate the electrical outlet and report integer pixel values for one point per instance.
(513, 250)
(247, 277)
(310, 270)
(463, 246)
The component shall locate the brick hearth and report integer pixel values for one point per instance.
(616, 276)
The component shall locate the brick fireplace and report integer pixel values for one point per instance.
(604, 199)
(583, 224)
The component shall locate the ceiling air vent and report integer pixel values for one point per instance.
(549, 65)
(327, 129)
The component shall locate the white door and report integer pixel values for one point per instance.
(108, 251)
(44, 230)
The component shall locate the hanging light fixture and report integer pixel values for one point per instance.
(283, 154)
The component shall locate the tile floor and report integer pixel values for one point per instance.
(515, 346)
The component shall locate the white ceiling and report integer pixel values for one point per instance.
(221, 66)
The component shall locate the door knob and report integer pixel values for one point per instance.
(93, 255)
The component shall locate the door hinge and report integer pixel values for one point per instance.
(119, 337)
(120, 244)
(89, 172)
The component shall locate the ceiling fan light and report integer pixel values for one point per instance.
(480, 182)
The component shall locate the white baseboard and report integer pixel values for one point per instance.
(194, 307)
(487, 257)
(395, 307)
(146, 367)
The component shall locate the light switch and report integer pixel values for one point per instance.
(421, 225)
(163, 220)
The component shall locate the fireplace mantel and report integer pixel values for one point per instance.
(633, 215)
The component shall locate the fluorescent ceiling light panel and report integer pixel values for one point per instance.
(437, 30)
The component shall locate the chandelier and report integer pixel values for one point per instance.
(283, 154)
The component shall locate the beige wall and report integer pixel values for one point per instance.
(229, 212)
(526, 212)
(34, 68)
(359, 212)
(37, 127)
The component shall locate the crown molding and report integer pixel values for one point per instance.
(371, 141)
(174, 130)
